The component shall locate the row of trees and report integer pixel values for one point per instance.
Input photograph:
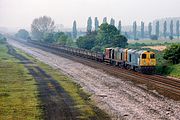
(136, 34)
(165, 33)
(89, 28)
(157, 30)
(96, 24)
(150, 28)
(107, 35)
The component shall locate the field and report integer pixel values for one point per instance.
(154, 42)
(158, 47)
(18, 92)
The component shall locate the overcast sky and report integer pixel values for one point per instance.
(20, 13)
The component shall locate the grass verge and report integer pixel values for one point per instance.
(166, 68)
(18, 91)
(82, 99)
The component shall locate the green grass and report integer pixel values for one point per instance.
(166, 68)
(82, 99)
(173, 70)
(18, 92)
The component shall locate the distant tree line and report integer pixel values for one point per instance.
(104, 35)
(157, 30)
(42, 29)
(136, 34)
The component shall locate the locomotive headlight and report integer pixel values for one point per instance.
(151, 62)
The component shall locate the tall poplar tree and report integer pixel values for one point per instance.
(105, 20)
(171, 29)
(89, 25)
(96, 24)
(150, 29)
(135, 30)
(157, 29)
(112, 22)
(119, 27)
(142, 29)
(177, 29)
(165, 29)
(74, 33)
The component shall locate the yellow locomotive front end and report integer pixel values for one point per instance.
(147, 62)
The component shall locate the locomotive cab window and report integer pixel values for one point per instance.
(152, 56)
(130, 58)
(112, 54)
(121, 56)
(143, 56)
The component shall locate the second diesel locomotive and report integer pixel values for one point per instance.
(137, 60)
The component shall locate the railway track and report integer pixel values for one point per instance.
(163, 85)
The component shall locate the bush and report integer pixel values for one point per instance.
(86, 42)
(57, 38)
(154, 37)
(2, 39)
(119, 41)
(22, 33)
(97, 49)
(172, 54)
(48, 38)
(171, 37)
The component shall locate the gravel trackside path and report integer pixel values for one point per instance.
(119, 98)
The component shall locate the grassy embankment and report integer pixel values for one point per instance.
(18, 91)
(166, 68)
(163, 67)
(82, 99)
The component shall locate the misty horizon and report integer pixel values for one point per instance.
(20, 13)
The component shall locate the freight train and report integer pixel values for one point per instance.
(137, 60)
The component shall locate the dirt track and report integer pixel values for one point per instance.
(55, 102)
(121, 99)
